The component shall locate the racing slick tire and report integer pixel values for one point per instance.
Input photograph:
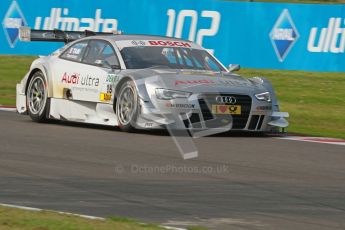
(37, 98)
(127, 104)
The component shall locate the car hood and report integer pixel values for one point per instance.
(198, 81)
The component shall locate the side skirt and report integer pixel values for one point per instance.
(82, 111)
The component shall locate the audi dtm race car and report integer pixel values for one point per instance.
(142, 82)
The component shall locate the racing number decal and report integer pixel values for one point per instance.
(107, 91)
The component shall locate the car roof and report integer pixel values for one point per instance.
(122, 37)
(125, 37)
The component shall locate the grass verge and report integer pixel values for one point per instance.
(18, 219)
(12, 70)
(315, 101)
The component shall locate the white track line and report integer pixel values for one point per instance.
(68, 213)
(8, 108)
(39, 210)
(321, 140)
(173, 228)
(21, 207)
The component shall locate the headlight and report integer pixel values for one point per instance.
(168, 94)
(266, 96)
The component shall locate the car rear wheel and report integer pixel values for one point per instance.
(127, 107)
(37, 98)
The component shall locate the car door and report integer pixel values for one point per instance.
(100, 58)
(87, 71)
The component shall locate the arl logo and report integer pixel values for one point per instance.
(13, 20)
(283, 35)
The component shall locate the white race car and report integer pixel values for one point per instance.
(142, 82)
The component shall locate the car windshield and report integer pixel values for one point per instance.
(141, 57)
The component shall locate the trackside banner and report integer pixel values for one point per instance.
(257, 35)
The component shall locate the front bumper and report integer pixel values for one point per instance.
(194, 114)
(21, 99)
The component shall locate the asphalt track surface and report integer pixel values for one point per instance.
(256, 182)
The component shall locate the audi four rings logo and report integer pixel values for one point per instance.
(226, 99)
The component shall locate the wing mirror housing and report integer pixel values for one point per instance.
(234, 67)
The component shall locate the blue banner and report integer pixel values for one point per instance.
(255, 35)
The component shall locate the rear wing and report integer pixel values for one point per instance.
(26, 34)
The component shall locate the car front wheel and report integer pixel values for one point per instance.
(127, 107)
(37, 98)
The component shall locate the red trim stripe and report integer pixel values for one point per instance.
(7, 107)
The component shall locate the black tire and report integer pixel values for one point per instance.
(37, 98)
(127, 123)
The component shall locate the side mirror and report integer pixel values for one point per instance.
(234, 67)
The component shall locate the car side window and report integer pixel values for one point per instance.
(75, 52)
(99, 52)
(212, 64)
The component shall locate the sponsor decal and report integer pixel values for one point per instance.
(76, 79)
(107, 88)
(187, 72)
(148, 124)
(263, 108)
(226, 109)
(211, 82)
(170, 43)
(180, 106)
(105, 96)
(13, 20)
(331, 39)
(194, 82)
(112, 78)
(73, 79)
(138, 43)
(154, 43)
(76, 51)
(283, 35)
(59, 19)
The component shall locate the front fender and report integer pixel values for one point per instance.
(40, 65)
(139, 84)
(268, 86)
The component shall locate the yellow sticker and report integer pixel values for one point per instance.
(105, 96)
(226, 109)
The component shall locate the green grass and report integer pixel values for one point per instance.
(12, 70)
(17, 219)
(315, 101)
